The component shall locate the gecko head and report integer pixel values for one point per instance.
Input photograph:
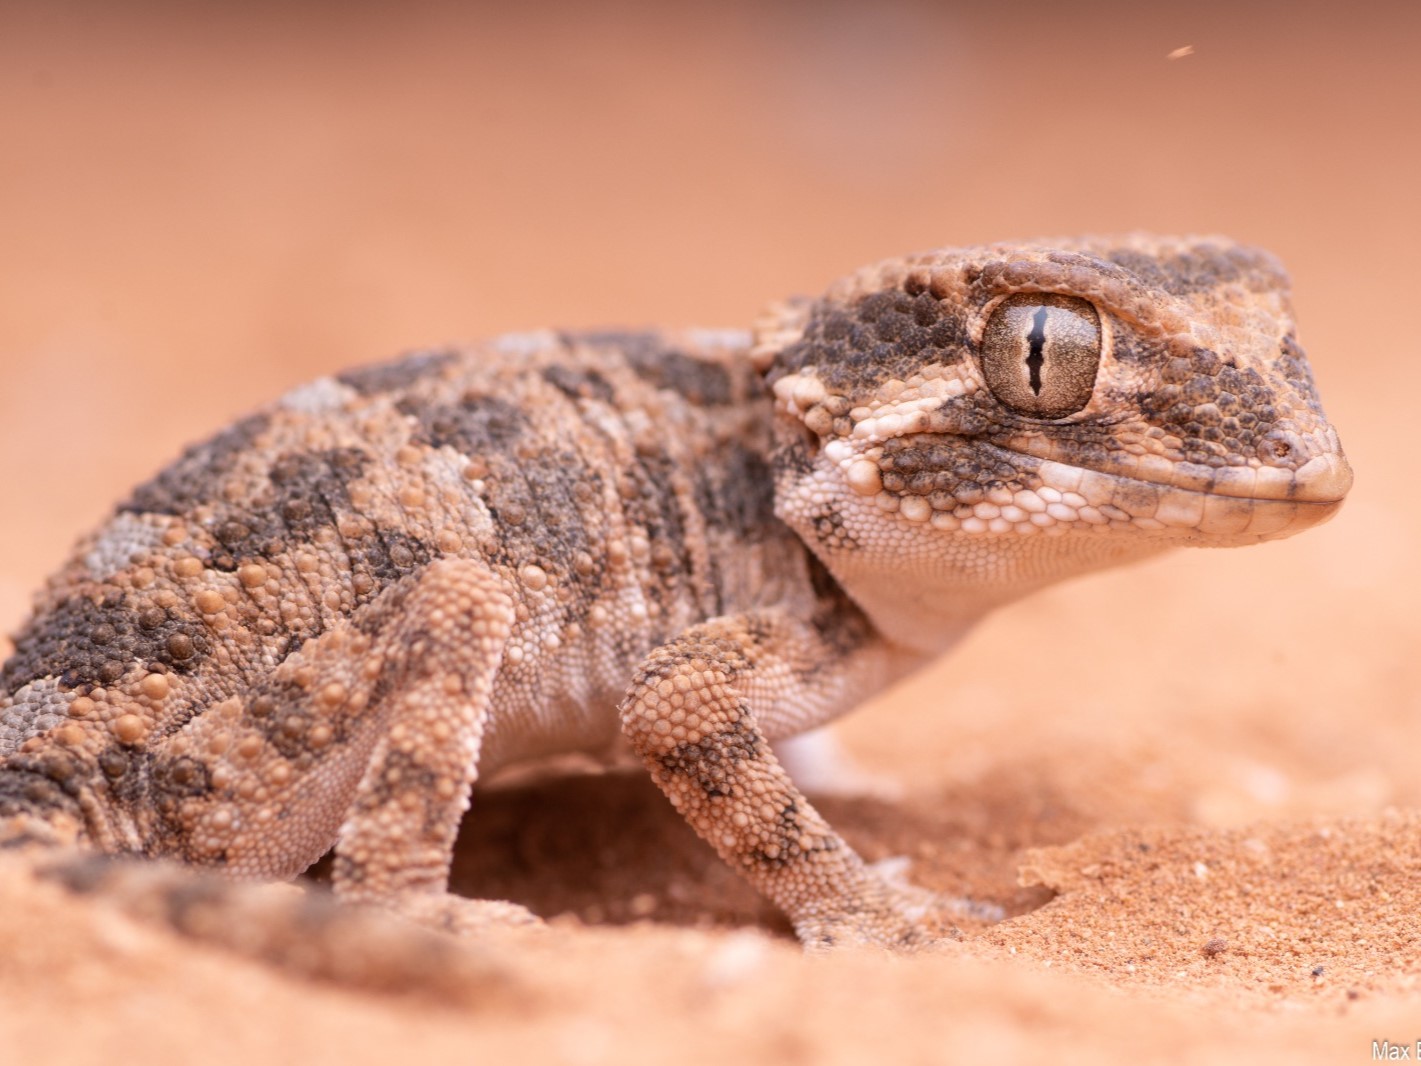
(1125, 393)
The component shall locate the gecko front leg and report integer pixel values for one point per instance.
(700, 713)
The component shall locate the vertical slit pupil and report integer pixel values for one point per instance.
(1035, 359)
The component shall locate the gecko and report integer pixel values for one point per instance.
(315, 631)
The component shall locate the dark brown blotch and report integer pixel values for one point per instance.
(790, 830)
(578, 383)
(1200, 268)
(837, 619)
(26, 789)
(891, 334)
(1221, 412)
(476, 425)
(182, 776)
(544, 508)
(702, 382)
(308, 491)
(945, 467)
(83, 642)
(714, 762)
(398, 375)
(280, 712)
(736, 493)
(651, 503)
(180, 487)
(385, 556)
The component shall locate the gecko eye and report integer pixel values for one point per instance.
(1040, 353)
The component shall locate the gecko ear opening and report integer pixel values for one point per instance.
(780, 325)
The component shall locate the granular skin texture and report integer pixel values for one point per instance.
(316, 630)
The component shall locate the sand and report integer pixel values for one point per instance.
(1191, 784)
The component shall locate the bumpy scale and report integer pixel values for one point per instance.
(316, 628)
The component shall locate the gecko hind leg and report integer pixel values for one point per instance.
(368, 736)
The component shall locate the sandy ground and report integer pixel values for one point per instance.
(1192, 784)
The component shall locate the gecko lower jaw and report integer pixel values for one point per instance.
(1227, 507)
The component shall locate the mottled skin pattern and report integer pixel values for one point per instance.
(315, 629)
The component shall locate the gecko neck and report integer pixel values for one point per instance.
(925, 602)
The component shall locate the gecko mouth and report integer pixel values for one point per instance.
(1019, 485)
(1230, 505)
(1185, 502)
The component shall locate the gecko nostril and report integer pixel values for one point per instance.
(1280, 448)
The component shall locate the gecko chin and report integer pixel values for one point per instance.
(1230, 522)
